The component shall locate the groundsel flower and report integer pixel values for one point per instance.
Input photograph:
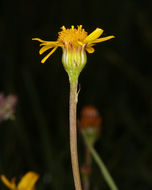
(74, 42)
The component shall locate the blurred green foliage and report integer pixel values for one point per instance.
(117, 80)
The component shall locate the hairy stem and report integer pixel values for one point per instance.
(73, 135)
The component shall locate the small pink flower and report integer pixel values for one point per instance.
(7, 106)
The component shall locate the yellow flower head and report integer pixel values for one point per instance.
(71, 39)
(74, 42)
(26, 183)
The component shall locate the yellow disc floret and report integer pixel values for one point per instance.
(72, 35)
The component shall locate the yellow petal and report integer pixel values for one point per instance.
(38, 39)
(103, 39)
(90, 49)
(46, 57)
(90, 45)
(45, 48)
(10, 185)
(28, 181)
(43, 42)
(49, 43)
(94, 35)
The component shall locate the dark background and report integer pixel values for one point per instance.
(117, 80)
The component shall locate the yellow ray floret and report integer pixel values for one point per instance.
(73, 39)
(26, 183)
(10, 184)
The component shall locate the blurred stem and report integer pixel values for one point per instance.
(100, 163)
(86, 182)
(73, 134)
(88, 156)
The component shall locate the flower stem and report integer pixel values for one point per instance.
(101, 164)
(73, 134)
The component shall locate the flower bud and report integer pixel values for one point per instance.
(90, 123)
